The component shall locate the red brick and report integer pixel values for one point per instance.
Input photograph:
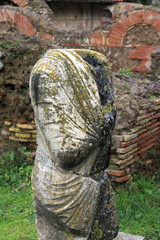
(151, 17)
(46, 36)
(127, 149)
(129, 163)
(20, 3)
(96, 38)
(114, 42)
(129, 21)
(121, 162)
(117, 32)
(136, 17)
(24, 25)
(116, 173)
(126, 155)
(144, 142)
(16, 18)
(142, 53)
(121, 26)
(123, 179)
(118, 36)
(125, 144)
(156, 115)
(150, 122)
(153, 126)
(114, 159)
(148, 147)
(20, 120)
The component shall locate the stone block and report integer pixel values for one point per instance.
(123, 179)
(130, 137)
(126, 155)
(121, 162)
(14, 129)
(22, 135)
(127, 149)
(116, 172)
(23, 140)
(129, 163)
(25, 126)
(7, 123)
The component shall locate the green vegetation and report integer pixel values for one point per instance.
(16, 213)
(125, 71)
(15, 167)
(137, 202)
(139, 207)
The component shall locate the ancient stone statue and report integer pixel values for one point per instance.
(72, 97)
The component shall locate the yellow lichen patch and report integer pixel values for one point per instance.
(94, 90)
(107, 109)
(69, 235)
(110, 206)
(97, 232)
(83, 131)
(100, 115)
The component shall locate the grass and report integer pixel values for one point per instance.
(139, 208)
(16, 215)
(138, 202)
(16, 212)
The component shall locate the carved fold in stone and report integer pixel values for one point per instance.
(72, 97)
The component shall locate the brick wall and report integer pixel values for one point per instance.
(37, 19)
(128, 147)
(21, 131)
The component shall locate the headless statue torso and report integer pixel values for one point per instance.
(72, 97)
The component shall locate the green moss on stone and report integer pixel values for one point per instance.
(97, 232)
(69, 235)
(107, 109)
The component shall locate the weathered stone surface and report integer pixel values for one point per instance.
(72, 97)
(126, 236)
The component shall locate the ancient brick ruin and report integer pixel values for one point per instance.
(118, 37)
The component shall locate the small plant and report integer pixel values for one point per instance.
(15, 169)
(138, 79)
(152, 96)
(125, 71)
(5, 45)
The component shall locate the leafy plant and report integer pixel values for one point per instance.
(15, 169)
(125, 71)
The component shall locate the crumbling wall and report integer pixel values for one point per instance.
(131, 25)
(17, 59)
(136, 138)
(136, 134)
